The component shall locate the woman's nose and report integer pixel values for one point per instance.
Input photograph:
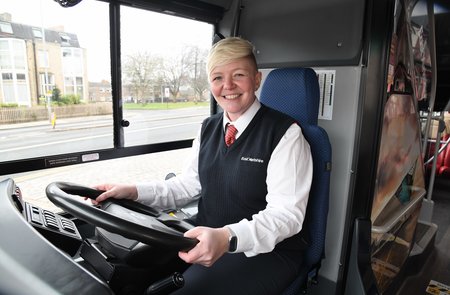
(228, 83)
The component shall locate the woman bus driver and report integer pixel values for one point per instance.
(253, 193)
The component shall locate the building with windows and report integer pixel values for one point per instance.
(100, 91)
(34, 61)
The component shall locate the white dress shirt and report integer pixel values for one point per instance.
(289, 176)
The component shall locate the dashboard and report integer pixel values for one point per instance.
(29, 263)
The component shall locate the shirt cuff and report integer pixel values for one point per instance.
(245, 241)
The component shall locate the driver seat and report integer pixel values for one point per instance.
(295, 92)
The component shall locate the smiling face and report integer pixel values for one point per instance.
(233, 85)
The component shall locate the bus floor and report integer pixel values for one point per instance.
(430, 274)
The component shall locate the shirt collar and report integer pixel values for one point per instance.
(242, 122)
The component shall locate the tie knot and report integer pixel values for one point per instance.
(230, 134)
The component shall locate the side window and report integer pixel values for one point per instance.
(164, 86)
(64, 93)
(49, 62)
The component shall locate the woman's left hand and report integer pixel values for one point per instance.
(213, 243)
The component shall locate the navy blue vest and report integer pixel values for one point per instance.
(233, 179)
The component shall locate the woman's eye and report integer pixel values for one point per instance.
(238, 76)
(218, 78)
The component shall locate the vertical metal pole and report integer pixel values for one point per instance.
(426, 212)
(116, 83)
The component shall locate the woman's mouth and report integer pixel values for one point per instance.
(231, 96)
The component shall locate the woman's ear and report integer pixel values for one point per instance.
(258, 79)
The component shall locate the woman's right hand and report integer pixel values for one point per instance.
(116, 191)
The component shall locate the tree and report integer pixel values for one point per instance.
(141, 72)
(146, 74)
(199, 79)
(56, 95)
(177, 70)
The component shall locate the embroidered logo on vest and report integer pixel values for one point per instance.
(248, 159)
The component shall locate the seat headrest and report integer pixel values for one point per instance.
(293, 91)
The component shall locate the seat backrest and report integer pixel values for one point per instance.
(295, 91)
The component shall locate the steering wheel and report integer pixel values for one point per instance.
(133, 220)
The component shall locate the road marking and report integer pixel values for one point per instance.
(162, 127)
(52, 143)
(92, 137)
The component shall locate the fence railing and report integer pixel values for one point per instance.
(39, 113)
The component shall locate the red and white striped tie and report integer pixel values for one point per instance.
(230, 135)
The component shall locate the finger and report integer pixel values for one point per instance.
(190, 257)
(184, 256)
(94, 202)
(103, 197)
(194, 232)
(103, 187)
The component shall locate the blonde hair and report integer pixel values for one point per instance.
(228, 50)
